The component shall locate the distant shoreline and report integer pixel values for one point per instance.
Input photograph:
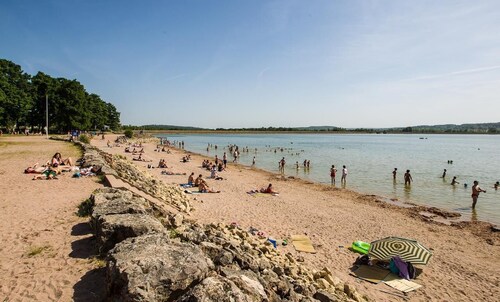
(301, 132)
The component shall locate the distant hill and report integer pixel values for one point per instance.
(489, 128)
(451, 128)
(162, 127)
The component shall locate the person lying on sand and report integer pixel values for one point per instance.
(165, 172)
(204, 188)
(141, 159)
(127, 149)
(35, 169)
(47, 174)
(138, 152)
(268, 190)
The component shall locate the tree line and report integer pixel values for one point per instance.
(23, 103)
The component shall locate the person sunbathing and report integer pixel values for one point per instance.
(57, 160)
(138, 152)
(162, 164)
(165, 172)
(204, 188)
(47, 174)
(127, 150)
(198, 180)
(214, 175)
(141, 159)
(191, 179)
(35, 169)
(268, 190)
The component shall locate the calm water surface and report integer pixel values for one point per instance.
(371, 158)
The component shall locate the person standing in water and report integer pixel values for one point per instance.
(444, 174)
(344, 174)
(333, 172)
(394, 174)
(475, 193)
(454, 181)
(408, 178)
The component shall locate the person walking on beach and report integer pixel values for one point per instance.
(344, 174)
(475, 193)
(408, 178)
(333, 172)
(224, 159)
(394, 173)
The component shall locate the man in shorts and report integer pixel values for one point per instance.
(475, 193)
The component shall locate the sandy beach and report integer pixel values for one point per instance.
(465, 264)
(47, 250)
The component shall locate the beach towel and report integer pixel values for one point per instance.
(401, 284)
(192, 192)
(373, 274)
(302, 243)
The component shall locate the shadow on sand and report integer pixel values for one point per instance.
(92, 285)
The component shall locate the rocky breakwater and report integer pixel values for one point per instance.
(151, 185)
(167, 258)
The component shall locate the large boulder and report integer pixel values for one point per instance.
(220, 289)
(154, 268)
(113, 229)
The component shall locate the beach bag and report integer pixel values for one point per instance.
(411, 271)
(362, 260)
(402, 266)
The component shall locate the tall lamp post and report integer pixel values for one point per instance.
(47, 115)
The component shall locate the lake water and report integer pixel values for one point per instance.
(370, 160)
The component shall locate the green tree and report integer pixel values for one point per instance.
(15, 99)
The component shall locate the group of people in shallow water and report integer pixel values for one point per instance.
(333, 174)
(475, 187)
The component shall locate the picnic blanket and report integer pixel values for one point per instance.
(373, 274)
(302, 243)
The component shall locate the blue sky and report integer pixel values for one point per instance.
(268, 63)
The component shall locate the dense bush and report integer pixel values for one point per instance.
(129, 133)
(84, 138)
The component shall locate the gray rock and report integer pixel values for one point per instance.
(154, 268)
(324, 296)
(218, 289)
(112, 229)
(176, 220)
(210, 249)
(224, 258)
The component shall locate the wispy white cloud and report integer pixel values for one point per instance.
(454, 73)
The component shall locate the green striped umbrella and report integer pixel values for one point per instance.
(407, 249)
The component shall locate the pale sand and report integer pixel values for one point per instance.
(40, 214)
(465, 267)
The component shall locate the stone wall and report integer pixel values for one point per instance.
(153, 257)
